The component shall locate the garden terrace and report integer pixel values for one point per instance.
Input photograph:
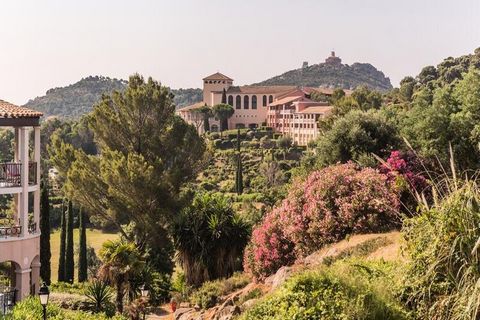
(19, 183)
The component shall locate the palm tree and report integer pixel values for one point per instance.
(223, 112)
(207, 113)
(209, 238)
(121, 260)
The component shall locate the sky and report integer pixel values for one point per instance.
(48, 43)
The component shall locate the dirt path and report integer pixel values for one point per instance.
(162, 313)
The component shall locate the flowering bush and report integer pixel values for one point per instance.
(404, 172)
(331, 203)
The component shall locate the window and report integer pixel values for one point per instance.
(230, 100)
(270, 99)
(214, 128)
(246, 102)
(238, 102)
(254, 102)
(264, 102)
(239, 126)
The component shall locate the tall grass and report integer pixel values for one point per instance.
(443, 241)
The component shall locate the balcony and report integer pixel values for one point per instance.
(10, 174)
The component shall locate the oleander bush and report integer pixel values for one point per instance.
(351, 289)
(329, 205)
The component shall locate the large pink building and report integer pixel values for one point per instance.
(20, 181)
(287, 109)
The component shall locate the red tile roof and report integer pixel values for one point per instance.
(217, 76)
(260, 89)
(317, 110)
(8, 110)
(194, 106)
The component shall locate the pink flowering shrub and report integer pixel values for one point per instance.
(332, 203)
(404, 172)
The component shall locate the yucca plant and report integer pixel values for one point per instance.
(99, 294)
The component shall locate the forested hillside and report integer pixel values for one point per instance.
(332, 75)
(77, 99)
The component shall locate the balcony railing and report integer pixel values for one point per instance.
(11, 173)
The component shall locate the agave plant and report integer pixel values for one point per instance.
(99, 294)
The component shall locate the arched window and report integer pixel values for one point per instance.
(246, 102)
(238, 102)
(264, 102)
(270, 99)
(230, 100)
(254, 102)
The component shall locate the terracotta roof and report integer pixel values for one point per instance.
(8, 110)
(194, 106)
(317, 109)
(217, 76)
(285, 100)
(260, 89)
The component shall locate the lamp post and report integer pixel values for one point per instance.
(44, 294)
(144, 292)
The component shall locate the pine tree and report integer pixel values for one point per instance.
(63, 232)
(82, 254)
(69, 259)
(45, 254)
(239, 173)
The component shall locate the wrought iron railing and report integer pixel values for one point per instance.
(11, 173)
(32, 227)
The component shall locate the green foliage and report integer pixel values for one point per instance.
(82, 252)
(209, 238)
(30, 309)
(63, 235)
(354, 135)
(69, 255)
(45, 253)
(327, 75)
(223, 112)
(443, 243)
(99, 295)
(345, 290)
(209, 293)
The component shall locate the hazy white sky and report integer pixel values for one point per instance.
(47, 43)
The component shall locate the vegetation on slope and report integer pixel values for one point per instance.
(337, 76)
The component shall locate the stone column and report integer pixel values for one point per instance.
(24, 159)
(22, 283)
(36, 194)
(36, 276)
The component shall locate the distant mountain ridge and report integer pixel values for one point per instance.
(77, 99)
(333, 74)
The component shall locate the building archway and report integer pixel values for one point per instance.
(246, 102)
(254, 102)
(238, 102)
(230, 100)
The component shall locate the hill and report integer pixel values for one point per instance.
(77, 99)
(333, 73)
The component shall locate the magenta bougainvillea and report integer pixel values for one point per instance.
(407, 166)
(330, 204)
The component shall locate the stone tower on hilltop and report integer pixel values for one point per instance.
(333, 60)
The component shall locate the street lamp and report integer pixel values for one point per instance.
(144, 292)
(44, 294)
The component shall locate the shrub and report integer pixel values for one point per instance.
(443, 243)
(209, 293)
(331, 204)
(99, 295)
(346, 290)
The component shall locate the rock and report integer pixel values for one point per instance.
(227, 312)
(279, 277)
(184, 314)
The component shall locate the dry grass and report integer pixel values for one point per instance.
(95, 239)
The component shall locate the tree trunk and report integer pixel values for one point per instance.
(119, 298)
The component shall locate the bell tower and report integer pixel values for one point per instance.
(215, 83)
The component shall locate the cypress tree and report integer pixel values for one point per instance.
(82, 254)
(61, 259)
(45, 254)
(69, 259)
(224, 96)
(239, 173)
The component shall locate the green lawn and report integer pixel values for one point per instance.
(95, 238)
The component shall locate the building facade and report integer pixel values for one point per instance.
(19, 182)
(287, 109)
